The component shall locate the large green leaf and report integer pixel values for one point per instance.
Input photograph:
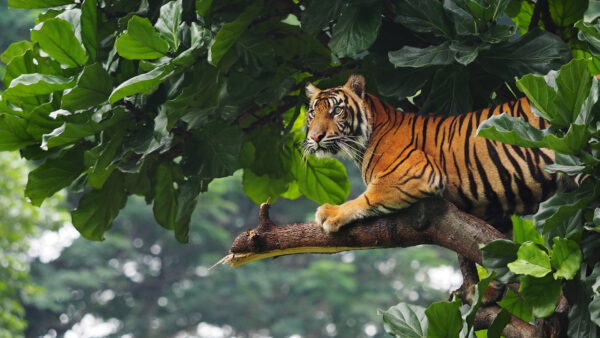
(516, 305)
(560, 207)
(203, 7)
(448, 93)
(541, 293)
(231, 32)
(13, 133)
(535, 52)
(54, 174)
(564, 13)
(28, 85)
(496, 255)
(141, 41)
(143, 83)
(94, 85)
(38, 3)
(531, 260)
(566, 258)
(405, 320)
(15, 49)
(523, 231)
(168, 23)
(425, 16)
(103, 165)
(89, 27)
(318, 14)
(421, 57)
(98, 208)
(594, 309)
(56, 37)
(263, 188)
(356, 30)
(444, 319)
(165, 196)
(515, 131)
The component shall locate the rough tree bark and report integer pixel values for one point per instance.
(431, 221)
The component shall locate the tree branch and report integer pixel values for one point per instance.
(431, 221)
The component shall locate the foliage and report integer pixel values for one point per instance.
(19, 222)
(158, 98)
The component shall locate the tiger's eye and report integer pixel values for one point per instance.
(310, 114)
(338, 110)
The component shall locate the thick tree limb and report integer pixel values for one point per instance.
(431, 221)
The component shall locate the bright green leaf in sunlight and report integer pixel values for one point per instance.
(356, 30)
(231, 32)
(532, 261)
(54, 174)
(143, 83)
(89, 27)
(444, 319)
(516, 305)
(405, 320)
(28, 85)
(14, 50)
(38, 3)
(523, 231)
(141, 41)
(168, 23)
(541, 293)
(566, 258)
(56, 37)
(262, 188)
(98, 208)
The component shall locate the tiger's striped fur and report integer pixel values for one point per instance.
(405, 157)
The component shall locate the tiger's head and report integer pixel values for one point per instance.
(337, 120)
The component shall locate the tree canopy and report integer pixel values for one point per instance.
(155, 98)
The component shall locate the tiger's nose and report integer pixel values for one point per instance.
(316, 135)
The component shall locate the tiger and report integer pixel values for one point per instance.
(405, 157)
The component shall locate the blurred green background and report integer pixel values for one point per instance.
(140, 282)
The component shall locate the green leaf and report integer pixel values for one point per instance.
(322, 180)
(573, 82)
(531, 261)
(594, 309)
(516, 131)
(13, 133)
(579, 295)
(560, 207)
(426, 16)
(215, 152)
(168, 23)
(94, 86)
(54, 174)
(98, 208)
(56, 38)
(143, 83)
(464, 23)
(444, 319)
(318, 14)
(165, 196)
(478, 295)
(421, 57)
(355, 30)
(203, 7)
(502, 319)
(30, 4)
(89, 27)
(15, 49)
(516, 305)
(262, 188)
(231, 32)
(28, 85)
(564, 13)
(103, 165)
(496, 255)
(523, 231)
(566, 258)
(448, 93)
(405, 320)
(535, 52)
(541, 293)
(141, 41)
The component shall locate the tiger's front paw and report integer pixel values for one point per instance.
(331, 217)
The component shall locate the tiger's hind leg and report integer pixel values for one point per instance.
(389, 192)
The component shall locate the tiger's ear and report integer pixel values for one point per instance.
(311, 90)
(357, 84)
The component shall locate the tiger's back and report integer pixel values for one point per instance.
(486, 178)
(405, 157)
